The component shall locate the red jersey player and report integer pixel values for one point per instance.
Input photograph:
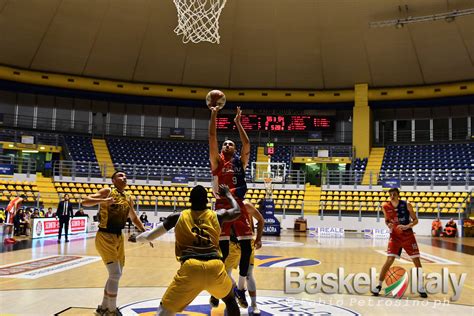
(400, 218)
(10, 212)
(229, 169)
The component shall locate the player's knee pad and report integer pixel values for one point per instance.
(115, 271)
(224, 245)
(251, 285)
(246, 252)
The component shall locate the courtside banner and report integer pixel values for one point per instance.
(376, 233)
(49, 227)
(327, 231)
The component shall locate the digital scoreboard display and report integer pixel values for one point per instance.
(256, 122)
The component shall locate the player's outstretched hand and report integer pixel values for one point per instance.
(238, 115)
(223, 189)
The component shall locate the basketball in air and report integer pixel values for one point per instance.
(215, 98)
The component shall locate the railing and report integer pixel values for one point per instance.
(99, 127)
(14, 136)
(75, 169)
(421, 136)
(312, 151)
(370, 209)
(414, 178)
(21, 165)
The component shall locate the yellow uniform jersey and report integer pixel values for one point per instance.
(197, 235)
(114, 217)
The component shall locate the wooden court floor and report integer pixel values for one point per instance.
(42, 277)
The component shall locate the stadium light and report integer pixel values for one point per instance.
(399, 23)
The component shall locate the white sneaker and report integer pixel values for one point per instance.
(253, 310)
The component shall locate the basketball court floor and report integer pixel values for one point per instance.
(42, 277)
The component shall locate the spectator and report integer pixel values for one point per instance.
(436, 228)
(35, 214)
(41, 213)
(144, 218)
(451, 229)
(49, 213)
(80, 212)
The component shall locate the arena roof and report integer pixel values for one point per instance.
(265, 44)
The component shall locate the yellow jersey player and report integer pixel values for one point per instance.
(115, 207)
(197, 232)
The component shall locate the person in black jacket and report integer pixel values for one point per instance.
(63, 213)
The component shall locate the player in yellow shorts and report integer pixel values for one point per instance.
(197, 232)
(233, 259)
(116, 206)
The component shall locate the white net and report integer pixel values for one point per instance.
(268, 186)
(198, 20)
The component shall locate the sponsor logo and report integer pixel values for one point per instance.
(397, 282)
(39, 228)
(38, 268)
(326, 231)
(296, 281)
(268, 306)
(377, 233)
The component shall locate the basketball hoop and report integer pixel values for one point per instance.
(198, 20)
(268, 187)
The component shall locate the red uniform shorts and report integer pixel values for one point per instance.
(403, 240)
(240, 226)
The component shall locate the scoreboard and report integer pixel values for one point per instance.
(257, 122)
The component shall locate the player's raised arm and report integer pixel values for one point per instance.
(231, 214)
(245, 152)
(213, 147)
(101, 196)
(158, 231)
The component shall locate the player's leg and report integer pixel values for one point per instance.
(110, 248)
(231, 305)
(244, 264)
(189, 281)
(411, 247)
(220, 285)
(394, 250)
(252, 287)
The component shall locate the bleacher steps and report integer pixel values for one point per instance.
(47, 191)
(374, 164)
(312, 199)
(103, 155)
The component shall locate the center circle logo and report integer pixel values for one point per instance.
(267, 305)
